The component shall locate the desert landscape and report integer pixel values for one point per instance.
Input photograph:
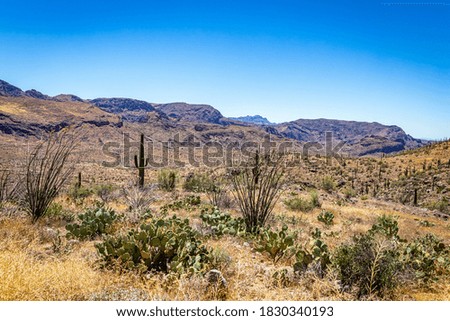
(122, 199)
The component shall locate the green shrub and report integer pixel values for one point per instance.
(164, 245)
(326, 217)
(93, 222)
(104, 192)
(167, 180)
(54, 210)
(428, 257)
(80, 193)
(276, 244)
(328, 184)
(222, 223)
(442, 205)
(371, 263)
(303, 205)
(57, 211)
(219, 259)
(197, 183)
(349, 193)
(187, 203)
(314, 199)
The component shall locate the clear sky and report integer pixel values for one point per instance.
(352, 60)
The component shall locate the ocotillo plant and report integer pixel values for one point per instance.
(141, 163)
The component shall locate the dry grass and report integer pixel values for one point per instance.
(32, 269)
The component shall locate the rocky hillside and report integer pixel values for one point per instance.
(192, 113)
(362, 138)
(25, 113)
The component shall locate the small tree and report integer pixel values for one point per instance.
(47, 170)
(257, 187)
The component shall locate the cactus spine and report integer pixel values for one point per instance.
(141, 162)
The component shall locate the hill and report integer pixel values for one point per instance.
(27, 113)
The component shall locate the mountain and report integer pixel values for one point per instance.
(257, 120)
(192, 113)
(29, 113)
(361, 138)
(67, 97)
(9, 90)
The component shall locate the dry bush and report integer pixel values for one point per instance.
(138, 200)
(9, 186)
(47, 171)
(257, 187)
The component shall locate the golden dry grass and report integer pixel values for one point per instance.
(31, 268)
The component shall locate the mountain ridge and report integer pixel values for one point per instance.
(204, 121)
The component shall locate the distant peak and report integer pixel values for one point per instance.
(256, 119)
(6, 89)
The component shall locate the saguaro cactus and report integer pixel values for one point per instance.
(141, 162)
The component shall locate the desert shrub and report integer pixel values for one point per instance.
(79, 193)
(138, 198)
(328, 184)
(257, 187)
(187, 203)
(219, 259)
(218, 196)
(167, 180)
(197, 183)
(104, 192)
(302, 204)
(54, 210)
(277, 244)
(314, 199)
(222, 223)
(372, 261)
(441, 205)
(283, 278)
(427, 257)
(9, 187)
(57, 211)
(161, 245)
(93, 222)
(317, 256)
(326, 217)
(47, 171)
(349, 193)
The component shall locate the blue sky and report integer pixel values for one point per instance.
(282, 59)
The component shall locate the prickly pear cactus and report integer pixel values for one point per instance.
(92, 223)
(276, 244)
(317, 253)
(222, 223)
(326, 217)
(164, 245)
